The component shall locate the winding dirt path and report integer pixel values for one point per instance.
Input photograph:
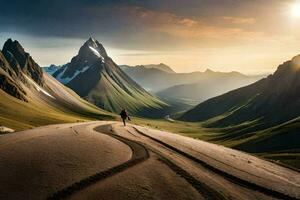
(105, 160)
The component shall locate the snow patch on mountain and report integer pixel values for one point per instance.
(37, 87)
(68, 79)
(96, 53)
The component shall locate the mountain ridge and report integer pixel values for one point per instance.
(161, 66)
(22, 61)
(271, 101)
(164, 80)
(32, 98)
(93, 75)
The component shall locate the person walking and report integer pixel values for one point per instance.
(124, 116)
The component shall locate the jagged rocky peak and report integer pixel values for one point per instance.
(92, 48)
(15, 48)
(21, 61)
(91, 54)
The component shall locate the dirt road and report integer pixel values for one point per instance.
(104, 160)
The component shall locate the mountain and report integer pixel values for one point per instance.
(261, 117)
(21, 62)
(29, 97)
(161, 66)
(51, 69)
(210, 84)
(271, 100)
(164, 81)
(146, 76)
(93, 75)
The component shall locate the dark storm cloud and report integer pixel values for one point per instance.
(79, 18)
(51, 18)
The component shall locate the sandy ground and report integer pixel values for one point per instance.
(35, 164)
(104, 160)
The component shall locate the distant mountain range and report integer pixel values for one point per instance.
(195, 86)
(29, 97)
(51, 69)
(93, 75)
(180, 90)
(161, 66)
(210, 84)
(261, 117)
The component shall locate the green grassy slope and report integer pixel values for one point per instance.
(20, 115)
(115, 92)
(270, 101)
(30, 98)
(262, 118)
(279, 144)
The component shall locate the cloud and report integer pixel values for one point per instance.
(239, 20)
(193, 28)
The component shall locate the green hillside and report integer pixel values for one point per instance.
(262, 118)
(30, 98)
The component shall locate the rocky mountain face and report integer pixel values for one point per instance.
(93, 75)
(8, 81)
(15, 64)
(22, 62)
(268, 102)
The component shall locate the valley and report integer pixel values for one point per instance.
(68, 115)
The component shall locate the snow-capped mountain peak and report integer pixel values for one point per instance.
(91, 53)
(95, 46)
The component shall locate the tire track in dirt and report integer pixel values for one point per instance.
(230, 177)
(203, 189)
(139, 154)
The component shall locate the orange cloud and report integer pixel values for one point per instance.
(192, 28)
(238, 20)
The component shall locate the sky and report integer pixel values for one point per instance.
(249, 36)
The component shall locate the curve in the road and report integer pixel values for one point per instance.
(224, 174)
(139, 154)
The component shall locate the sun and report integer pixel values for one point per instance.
(295, 10)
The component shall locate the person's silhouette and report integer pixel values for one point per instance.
(124, 115)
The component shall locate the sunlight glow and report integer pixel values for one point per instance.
(295, 10)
